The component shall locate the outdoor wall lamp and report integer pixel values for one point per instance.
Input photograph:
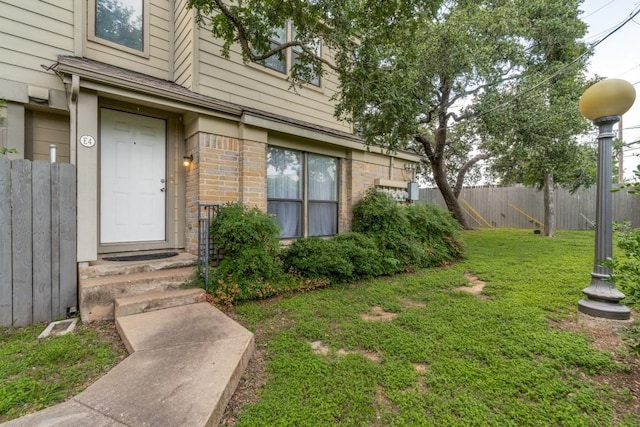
(187, 160)
(604, 103)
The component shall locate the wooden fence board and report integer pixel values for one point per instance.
(68, 237)
(56, 312)
(38, 276)
(6, 298)
(41, 244)
(21, 242)
(573, 211)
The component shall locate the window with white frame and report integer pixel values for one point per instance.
(121, 22)
(278, 62)
(302, 192)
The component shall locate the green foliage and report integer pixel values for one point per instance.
(5, 150)
(631, 335)
(238, 227)
(423, 63)
(436, 229)
(316, 257)
(448, 358)
(407, 237)
(346, 257)
(626, 268)
(393, 238)
(36, 373)
(362, 252)
(249, 240)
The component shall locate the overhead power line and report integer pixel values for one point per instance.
(635, 12)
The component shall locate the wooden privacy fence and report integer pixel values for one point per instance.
(38, 278)
(523, 207)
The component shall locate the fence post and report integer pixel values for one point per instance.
(6, 298)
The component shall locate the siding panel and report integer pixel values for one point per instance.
(34, 33)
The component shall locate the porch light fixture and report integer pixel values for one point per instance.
(187, 160)
(604, 103)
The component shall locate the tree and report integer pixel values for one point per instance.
(532, 123)
(408, 69)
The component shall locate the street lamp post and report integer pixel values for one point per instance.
(604, 103)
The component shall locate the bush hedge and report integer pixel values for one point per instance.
(387, 238)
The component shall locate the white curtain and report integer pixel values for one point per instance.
(323, 195)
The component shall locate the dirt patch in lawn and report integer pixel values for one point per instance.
(377, 314)
(319, 348)
(474, 287)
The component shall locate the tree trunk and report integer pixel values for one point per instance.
(549, 205)
(440, 177)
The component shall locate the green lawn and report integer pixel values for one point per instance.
(448, 358)
(36, 373)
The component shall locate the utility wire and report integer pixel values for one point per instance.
(564, 68)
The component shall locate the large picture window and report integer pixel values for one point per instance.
(120, 22)
(302, 192)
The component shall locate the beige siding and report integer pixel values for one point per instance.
(184, 44)
(44, 129)
(34, 33)
(157, 63)
(257, 87)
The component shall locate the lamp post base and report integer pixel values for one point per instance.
(599, 323)
(604, 309)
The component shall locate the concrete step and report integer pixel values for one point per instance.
(101, 267)
(151, 301)
(97, 294)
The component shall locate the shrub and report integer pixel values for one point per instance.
(626, 269)
(344, 258)
(238, 227)
(249, 239)
(362, 252)
(315, 257)
(408, 237)
(435, 228)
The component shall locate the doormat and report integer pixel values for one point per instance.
(141, 257)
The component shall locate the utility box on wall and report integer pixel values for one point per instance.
(412, 189)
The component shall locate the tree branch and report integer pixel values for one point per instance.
(426, 145)
(463, 171)
(243, 39)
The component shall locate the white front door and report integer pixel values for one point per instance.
(132, 177)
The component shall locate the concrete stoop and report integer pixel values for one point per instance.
(185, 364)
(102, 282)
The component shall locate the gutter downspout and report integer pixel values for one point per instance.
(73, 116)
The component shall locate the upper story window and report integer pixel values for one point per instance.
(284, 61)
(120, 23)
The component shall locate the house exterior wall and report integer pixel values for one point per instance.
(157, 58)
(184, 44)
(43, 129)
(255, 86)
(34, 33)
(229, 142)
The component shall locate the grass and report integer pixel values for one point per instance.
(448, 357)
(36, 373)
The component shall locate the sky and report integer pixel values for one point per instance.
(617, 57)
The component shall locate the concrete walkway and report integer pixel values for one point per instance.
(185, 364)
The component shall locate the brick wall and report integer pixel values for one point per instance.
(224, 170)
(228, 169)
